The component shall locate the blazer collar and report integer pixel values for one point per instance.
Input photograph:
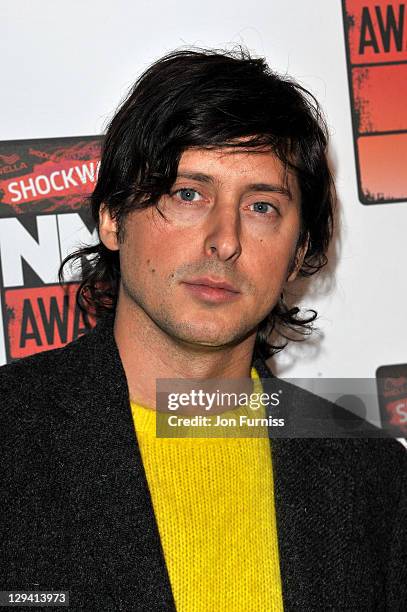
(113, 510)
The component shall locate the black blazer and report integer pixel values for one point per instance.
(76, 512)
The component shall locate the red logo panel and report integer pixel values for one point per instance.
(43, 318)
(44, 214)
(392, 392)
(41, 176)
(376, 43)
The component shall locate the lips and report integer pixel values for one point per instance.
(213, 283)
(211, 290)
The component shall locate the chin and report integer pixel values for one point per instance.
(205, 338)
(204, 329)
(208, 335)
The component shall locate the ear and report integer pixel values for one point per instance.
(107, 228)
(298, 260)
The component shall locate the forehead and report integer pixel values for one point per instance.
(238, 166)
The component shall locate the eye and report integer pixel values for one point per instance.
(187, 194)
(264, 207)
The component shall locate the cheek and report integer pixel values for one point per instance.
(269, 266)
(150, 253)
(135, 260)
(274, 255)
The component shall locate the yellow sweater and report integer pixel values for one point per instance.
(214, 504)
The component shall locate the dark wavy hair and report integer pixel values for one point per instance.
(208, 98)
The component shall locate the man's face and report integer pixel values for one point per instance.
(232, 216)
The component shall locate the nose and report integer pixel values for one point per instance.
(222, 232)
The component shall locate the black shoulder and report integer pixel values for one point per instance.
(35, 376)
(364, 450)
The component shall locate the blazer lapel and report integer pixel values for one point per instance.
(114, 539)
(314, 505)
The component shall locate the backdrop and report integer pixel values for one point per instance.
(65, 68)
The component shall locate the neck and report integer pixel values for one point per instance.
(148, 353)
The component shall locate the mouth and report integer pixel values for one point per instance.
(210, 290)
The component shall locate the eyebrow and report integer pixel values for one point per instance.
(270, 187)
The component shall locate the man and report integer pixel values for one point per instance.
(214, 193)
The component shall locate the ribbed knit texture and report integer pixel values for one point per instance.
(214, 503)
